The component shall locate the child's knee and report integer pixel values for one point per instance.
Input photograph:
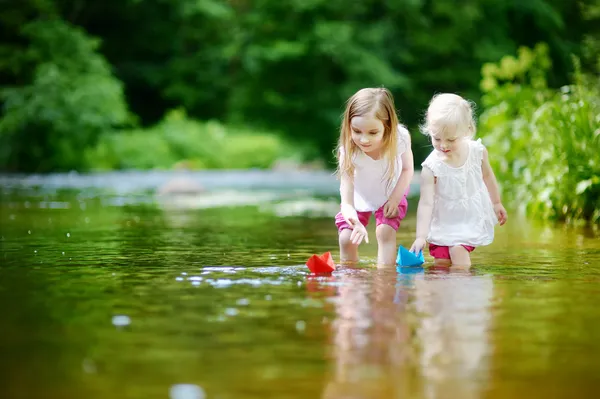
(457, 250)
(344, 239)
(460, 256)
(385, 234)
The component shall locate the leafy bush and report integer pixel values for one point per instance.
(543, 142)
(69, 101)
(179, 141)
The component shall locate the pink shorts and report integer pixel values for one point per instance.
(364, 217)
(441, 252)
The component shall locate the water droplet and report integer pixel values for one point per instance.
(178, 278)
(184, 274)
(231, 311)
(121, 320)
(28, 231)
(288, 255)
(299, 283)
(243, 302)
(88, 366)
(35, 251)
(195, 283)
(300, 326)
(63, 253)
(114, 274)
(268, 297)
(68, 235)
(186, 391)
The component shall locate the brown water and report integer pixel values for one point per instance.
(219, 297)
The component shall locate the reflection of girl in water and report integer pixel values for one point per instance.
(454, 308)
(413, 336)
(371, 337)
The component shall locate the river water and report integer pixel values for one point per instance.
(108, 290)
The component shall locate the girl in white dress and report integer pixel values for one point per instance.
(375, 167)
(460, 203)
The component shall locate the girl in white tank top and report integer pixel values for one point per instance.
(375, 167)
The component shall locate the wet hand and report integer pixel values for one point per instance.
(359, 233)
(390, 209)
(500, 213)
(349, 214)
(417, 246)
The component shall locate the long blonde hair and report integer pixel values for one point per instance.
(378, 102)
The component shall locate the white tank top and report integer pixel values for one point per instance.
(371, 189)
(463, 213)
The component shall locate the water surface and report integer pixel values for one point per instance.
(124, 294)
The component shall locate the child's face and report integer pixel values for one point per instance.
(367, 134)
(447, 143)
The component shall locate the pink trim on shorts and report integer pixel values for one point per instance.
(443, 252)
(364, 217)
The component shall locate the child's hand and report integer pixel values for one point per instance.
(417, 246)
(390, 209)
(349, 214)
(500, 213)
(359, 232)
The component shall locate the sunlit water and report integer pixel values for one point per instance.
(108, 294)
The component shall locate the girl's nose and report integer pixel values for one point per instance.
(364, 140)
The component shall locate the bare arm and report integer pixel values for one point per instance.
(347, 199)
(408, 171)
(347, 190)
(490, 179)
(492, 186)
(425, 209)
(349, 212)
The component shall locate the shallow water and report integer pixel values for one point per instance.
(127, 295)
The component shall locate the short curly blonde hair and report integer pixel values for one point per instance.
(450, 114)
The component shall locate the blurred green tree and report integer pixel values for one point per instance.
(289, 66)
(71, 99)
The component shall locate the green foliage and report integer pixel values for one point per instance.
(178, 141)
(289, 66)
(285, 66)
(72, 98)
(544, 142)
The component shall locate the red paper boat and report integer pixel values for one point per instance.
(321, 264)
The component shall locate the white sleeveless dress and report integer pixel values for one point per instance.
(371, 190)
(463, 213)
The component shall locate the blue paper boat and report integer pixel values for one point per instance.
(407, 258)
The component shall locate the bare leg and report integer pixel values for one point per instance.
(460, 256)
(386, 245)
(466, 270)
(441, 262)
(348, 251)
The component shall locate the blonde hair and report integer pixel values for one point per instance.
(449, 114)
(379, 103)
